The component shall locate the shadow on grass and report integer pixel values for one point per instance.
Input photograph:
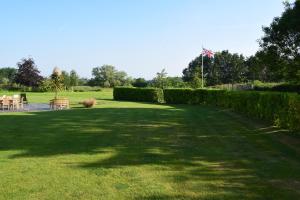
(197, 144)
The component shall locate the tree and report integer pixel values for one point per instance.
(57, 80)
(83, 81)
(231, 67)
(222, 69)
(28, 74)
(140, 82)
(108, 76)
(160, 80)
(7, 75)
(196, 81)
(281, 44)
(175, 82)
(194, 70)
(74, 78)
(66, 79)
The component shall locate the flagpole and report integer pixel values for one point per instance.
(202, 69)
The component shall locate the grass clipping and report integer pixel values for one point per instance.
(89, 103)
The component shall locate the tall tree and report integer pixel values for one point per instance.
(28, 73)
(232, 68)
(108, 76)
(160, 79)
(140, 82)
(7, 75)
(223, 68)
(74, 78)
(281, 43)
(57, 81)
(66, 79)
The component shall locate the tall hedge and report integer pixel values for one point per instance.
(282, 109)
(154, 95)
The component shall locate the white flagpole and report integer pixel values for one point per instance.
(202, 69)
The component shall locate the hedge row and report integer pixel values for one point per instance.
(154, 95)
(282, 109)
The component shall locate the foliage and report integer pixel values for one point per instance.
(46, 85)
(86, 88)
(160, 80)
(7, 75)
(28, 74)
(139, 82)
(175, 82)
(138, 94)
(57, 80)
(70, 79)
(223, 68)
(108, 76)
(178, 96)
(66, 80)
(281, 45)
(278, 87)
(83, 81)
(74, 78)
(282, 109)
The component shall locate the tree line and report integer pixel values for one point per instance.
(277, 60)
(27, 75)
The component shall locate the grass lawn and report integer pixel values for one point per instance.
(127, 150)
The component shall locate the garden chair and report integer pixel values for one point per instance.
(25, 100)
(5, 104)
(21, 103)
(15, 102)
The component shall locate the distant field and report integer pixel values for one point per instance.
(128, 150)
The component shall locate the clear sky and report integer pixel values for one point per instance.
(140, 37)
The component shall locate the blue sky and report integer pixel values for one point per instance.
(140, 37)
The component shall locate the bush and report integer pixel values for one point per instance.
(282, 109)
(178, 96)
(89, 103)
(154, 95)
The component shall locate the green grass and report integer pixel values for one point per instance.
(127, 150)
(75, 97)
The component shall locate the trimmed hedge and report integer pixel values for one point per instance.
(282, 109)
(154, 95)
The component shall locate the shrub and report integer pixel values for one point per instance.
(154, 95)
(178, 96)
(86, 88)
(282, 109)
(89, 103)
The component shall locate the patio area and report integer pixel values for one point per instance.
(30, 107)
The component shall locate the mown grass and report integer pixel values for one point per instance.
(127, 150)
(75, 97)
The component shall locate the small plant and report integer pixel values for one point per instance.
(57, 81)
(89, 103)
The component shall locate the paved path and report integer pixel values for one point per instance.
(32, 107)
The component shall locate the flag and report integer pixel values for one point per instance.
(208, 53)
